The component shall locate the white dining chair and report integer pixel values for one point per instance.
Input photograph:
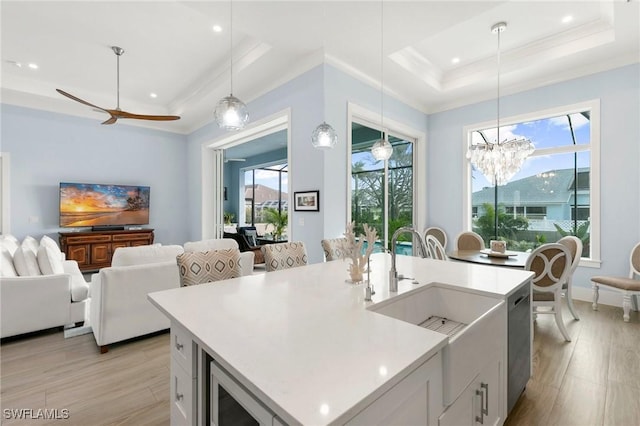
(551, 264)
(439, 233)
(435, 248)
(469, 240)
(574, 244)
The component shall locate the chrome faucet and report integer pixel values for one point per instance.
(393, 273)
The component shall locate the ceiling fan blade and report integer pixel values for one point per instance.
(70, 96)
(125, 114)
(111, 120)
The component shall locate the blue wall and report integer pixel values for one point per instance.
(46, 148)
(619, 94)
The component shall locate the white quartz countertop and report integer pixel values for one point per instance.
(303, 341)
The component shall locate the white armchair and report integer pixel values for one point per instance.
(120, 309)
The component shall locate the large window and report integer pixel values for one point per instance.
(265, 188)
(553, 194)
(381, 192)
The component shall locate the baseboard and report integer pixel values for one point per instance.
(77, 331)
(605, 297)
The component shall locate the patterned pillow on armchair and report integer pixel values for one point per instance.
(204, 267)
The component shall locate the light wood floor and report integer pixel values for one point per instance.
(592, 380)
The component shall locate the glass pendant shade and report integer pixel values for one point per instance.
(231, 113)
(499, 162)
(324, 137)
(382, 150)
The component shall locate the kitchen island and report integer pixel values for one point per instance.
(306, 347)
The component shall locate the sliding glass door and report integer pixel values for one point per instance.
(382, 193)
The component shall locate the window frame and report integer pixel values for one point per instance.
(593, 147)
(366, 117)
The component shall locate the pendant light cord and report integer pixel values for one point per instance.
(231, 44)
(382, 132)
(498, 102)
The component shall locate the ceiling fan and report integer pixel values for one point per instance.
(117, 112)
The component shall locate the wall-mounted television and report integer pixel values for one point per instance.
(103, 206)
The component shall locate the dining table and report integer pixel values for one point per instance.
(515, 259)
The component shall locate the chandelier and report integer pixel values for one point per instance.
(501, 160)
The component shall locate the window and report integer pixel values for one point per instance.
(382, 193)
(265, 188)
(555, 192)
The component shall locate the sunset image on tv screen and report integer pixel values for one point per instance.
(84, 204)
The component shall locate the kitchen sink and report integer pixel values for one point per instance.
(475, 324)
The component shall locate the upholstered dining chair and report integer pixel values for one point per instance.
(435, 248)
(629, 286)
(574, 244)
(200, 267)
(551, 264)
(334, 248)
(284, 255)
(469, 240)
(439, 233)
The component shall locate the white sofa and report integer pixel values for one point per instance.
(120, 309)
(38, 302)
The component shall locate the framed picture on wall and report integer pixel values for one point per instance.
(308, 201)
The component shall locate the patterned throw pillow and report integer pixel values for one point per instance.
(204, 267)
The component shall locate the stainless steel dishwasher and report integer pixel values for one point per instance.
(519, 344)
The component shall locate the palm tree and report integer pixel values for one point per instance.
(279, 220)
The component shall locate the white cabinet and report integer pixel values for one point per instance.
(416, 399)
(183, 389)
(481, 402)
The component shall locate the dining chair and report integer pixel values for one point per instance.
(200, 267)
(551, 264)
(574, 244)
(334, 248)
(439, 233)
(469, 240)
(434, 248)
(284, 255)
(629, 286)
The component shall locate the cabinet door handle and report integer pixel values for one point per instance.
(480, 418)
(179, 345)
(485, 409)
(179, 396)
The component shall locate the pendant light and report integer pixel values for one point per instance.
(324, 136)
(382, 149)
(231, 113)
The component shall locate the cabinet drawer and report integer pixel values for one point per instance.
(182, 350)
(131, 237)
(182, 396)
(85, 239)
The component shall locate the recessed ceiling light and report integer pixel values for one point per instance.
(217, 29)
(153, 95)
(33, 66)
(567, 19)
(455, 60)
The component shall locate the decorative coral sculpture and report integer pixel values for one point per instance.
(353, 249)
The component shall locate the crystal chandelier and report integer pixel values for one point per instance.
(382, 149)
(231, 113)
(324, 136)
(501, 160)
